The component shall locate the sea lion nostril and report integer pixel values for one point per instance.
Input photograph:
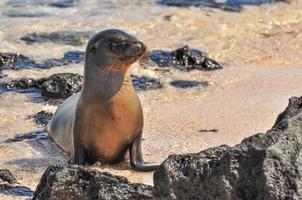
(141, 45)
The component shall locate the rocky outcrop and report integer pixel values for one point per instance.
(185, 59)
(55, 86)
(78, 183)
(263, 166)
(61, 85)
(294, 108)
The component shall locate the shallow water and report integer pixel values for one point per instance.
(259, 47)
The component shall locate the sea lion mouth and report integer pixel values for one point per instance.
(135, 51)
(121, 63)
(129, 59)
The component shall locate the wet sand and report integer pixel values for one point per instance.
(259, 47)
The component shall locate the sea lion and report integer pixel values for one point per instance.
(105, 119)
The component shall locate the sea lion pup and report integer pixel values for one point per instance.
(105, 119)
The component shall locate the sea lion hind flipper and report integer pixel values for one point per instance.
(136, 157)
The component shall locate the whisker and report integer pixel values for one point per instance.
(107, 68)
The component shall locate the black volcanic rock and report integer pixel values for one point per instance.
(185, 59)
(75, 38)
(10, 186)
(78, 183)
(294, 107)
(145, 83)
(263, 166)
(69, 57)
(15, 61)
(7, 176)
(58, 86)
(61, 85)
(23, 83)
(41, 118)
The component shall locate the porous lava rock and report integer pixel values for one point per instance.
(15, 61)
(74, 182)
(57, 86)
(185, 59)
(264, 166)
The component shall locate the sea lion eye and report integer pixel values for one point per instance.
(114, 45)
(118, 45)
(124, 44)
(92, 50)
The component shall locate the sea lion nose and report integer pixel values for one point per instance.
(140, 45)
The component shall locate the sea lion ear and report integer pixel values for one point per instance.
(92, 50)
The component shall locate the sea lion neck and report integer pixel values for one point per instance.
(98, 86)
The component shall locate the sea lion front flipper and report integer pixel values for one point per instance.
(79, 154)
(136, 157)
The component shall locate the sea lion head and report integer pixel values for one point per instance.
(113, 50)
(108, 56)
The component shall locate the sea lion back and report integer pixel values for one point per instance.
(62, 122)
